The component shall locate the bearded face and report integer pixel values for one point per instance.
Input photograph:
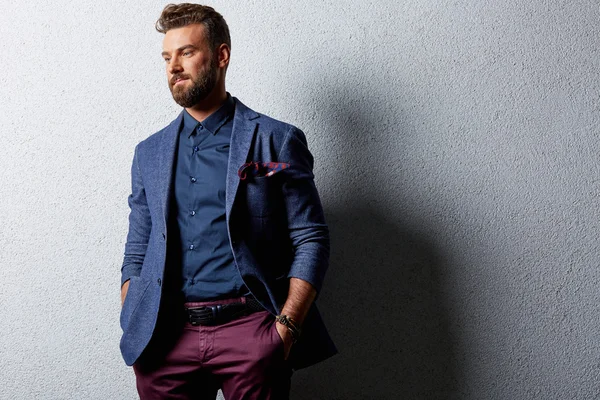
(193, 89)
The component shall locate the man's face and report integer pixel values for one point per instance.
(192, 70)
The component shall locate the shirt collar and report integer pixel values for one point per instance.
(212, 123)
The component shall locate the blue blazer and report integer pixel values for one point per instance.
(275, 225)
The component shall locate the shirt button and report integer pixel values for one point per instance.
(193, 213)
(200, 127)
(191, 247)
(195, 149)
(193, 179)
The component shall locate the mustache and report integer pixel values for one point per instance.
(177, 77)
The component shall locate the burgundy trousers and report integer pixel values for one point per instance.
(244, 358)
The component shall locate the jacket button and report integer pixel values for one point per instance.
(159, 281)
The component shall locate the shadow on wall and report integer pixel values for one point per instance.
(382, 297)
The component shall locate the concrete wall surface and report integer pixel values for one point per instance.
(456, 154)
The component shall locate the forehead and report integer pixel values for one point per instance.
(194, 34)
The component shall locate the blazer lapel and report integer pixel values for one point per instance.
(166, 157)
(242, 136)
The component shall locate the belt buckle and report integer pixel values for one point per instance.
(215, 311)
(191, 319)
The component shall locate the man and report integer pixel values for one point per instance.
(227, 245)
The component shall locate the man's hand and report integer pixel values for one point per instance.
(124, 289)
(300, 297)
(287, 338)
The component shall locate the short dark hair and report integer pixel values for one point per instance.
(180, 15)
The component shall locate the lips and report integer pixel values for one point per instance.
(179, 81)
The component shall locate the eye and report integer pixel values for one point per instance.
(167, 59)
(187, 52)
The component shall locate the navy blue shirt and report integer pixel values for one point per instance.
(207, 264)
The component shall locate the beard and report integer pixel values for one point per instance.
(201, 87)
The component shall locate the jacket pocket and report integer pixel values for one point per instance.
(262, 196)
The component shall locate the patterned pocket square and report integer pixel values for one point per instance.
(259, 169)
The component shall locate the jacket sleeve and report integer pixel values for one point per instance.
(306, 222)
(139, 225)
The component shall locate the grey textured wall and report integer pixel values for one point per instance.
(456, 156)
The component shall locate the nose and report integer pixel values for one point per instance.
(174, 65)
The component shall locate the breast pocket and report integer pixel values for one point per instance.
(263, 196)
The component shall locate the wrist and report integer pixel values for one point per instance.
(291, 325)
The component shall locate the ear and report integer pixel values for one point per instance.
(223, 53)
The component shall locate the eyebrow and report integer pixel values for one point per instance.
(179, 49)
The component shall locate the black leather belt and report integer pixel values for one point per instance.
(222, 313)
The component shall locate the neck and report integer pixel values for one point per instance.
(209, 105)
